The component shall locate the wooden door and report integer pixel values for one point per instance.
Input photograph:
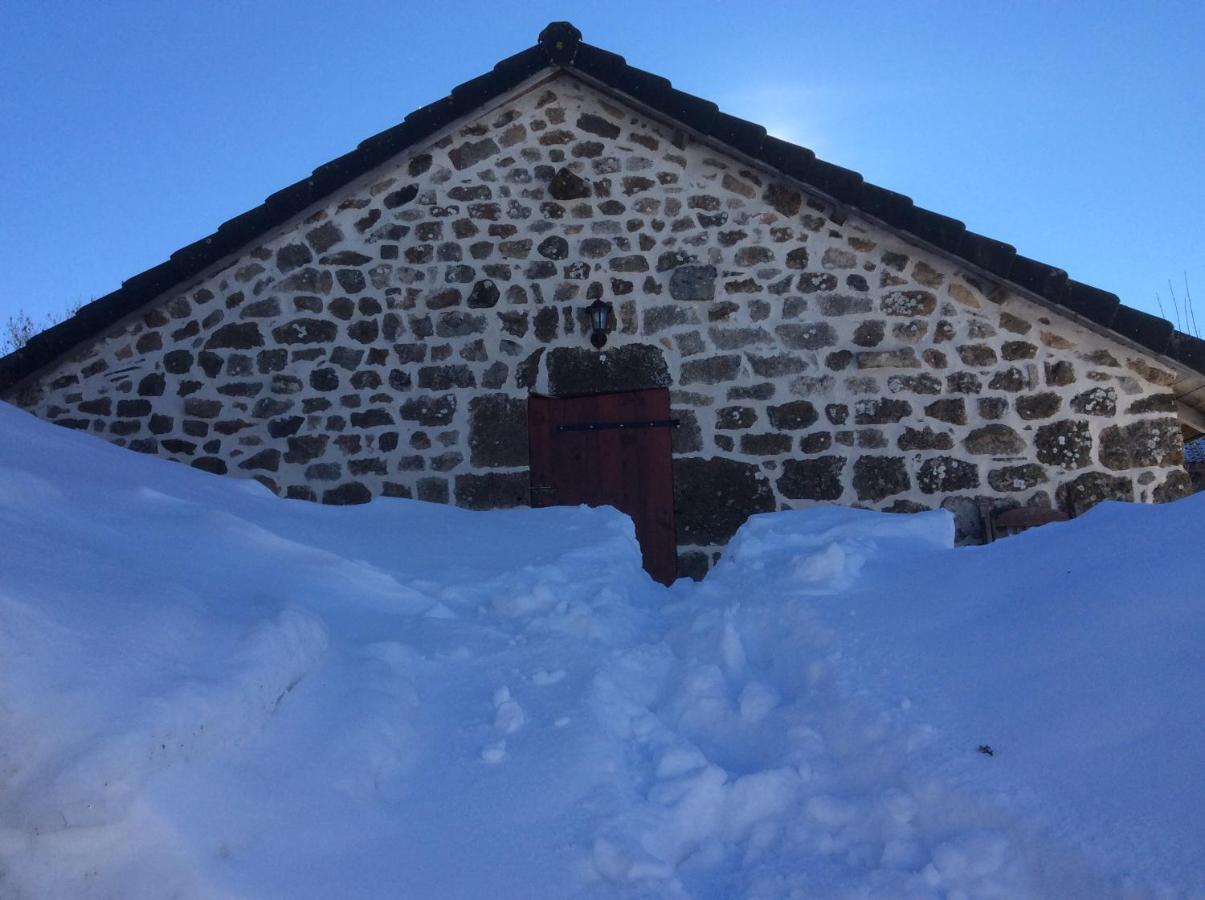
(609, 450)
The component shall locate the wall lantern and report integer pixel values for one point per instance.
(600, 320)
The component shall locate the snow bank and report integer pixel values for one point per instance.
(207, 692)
(823, 549)
(1075, 653)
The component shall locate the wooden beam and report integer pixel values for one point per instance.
(1191, 418)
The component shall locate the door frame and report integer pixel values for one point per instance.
(625, 437)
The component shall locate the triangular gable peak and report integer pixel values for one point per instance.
(560, 46)
(524, 164)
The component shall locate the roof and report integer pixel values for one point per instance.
(560, 46)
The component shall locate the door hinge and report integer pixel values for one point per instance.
(601, 426)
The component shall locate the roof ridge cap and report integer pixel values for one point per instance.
(560, 41)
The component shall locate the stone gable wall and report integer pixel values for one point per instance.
(385, 344)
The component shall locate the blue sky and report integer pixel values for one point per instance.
(1074, 131)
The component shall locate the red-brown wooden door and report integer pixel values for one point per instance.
(609, 450)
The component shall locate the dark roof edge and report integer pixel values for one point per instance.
(560, 45)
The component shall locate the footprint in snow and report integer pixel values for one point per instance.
(543, 678)
(494, 752)
(508, 714)
(508, 718)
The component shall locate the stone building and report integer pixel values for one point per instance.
(777, 331)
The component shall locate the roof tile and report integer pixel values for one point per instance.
(1142, 328)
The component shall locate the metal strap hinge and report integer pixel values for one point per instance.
(602, 426)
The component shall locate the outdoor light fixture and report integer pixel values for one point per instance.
(600, 318)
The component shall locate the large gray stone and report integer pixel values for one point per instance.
(493, 490)
(659, 318)
(429, 410)
(843, 305)
(870, 334)
(443, 378)
(693, 282)
(1155, 403)
(455, 323)
(943, 474)
(1060, 373)
(290, 256)
(916, 384)
(304, 331)
(792, 416)
(809, 336)
(152, 385)
(766, 444)
(1010, 379)
(566, 185)
(1097, 401)
(472, 152)
(1147, 442)
(713, 498)
(1009, 479)
(236, 336)
(265, 459)
(1038, 406)
(1091, 488)
(687, 437)
(904, 358)
(306, 448)
(925, 439)
(498, 431)
(736, 338)
(812, 479)
(776, 366)
(629, 367)
(908, 303)
(785, 200)
(348, 494)
(732, 418)
(994, 440)
(878, 477)
(1067, 444)
(710, 370)
(977, 355)
(484, 295)
(881, 411)
(597, 125)
(102, 406)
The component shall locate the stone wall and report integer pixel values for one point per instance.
(385, 342)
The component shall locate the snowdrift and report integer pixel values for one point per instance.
(206, 692)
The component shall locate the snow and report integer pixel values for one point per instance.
(206, 692)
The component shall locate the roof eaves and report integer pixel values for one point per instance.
(886, 206)
(987, 253)
(741, 135)
(1091, 303)
(1187, 350)
(941, 231)
(1150, 331)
